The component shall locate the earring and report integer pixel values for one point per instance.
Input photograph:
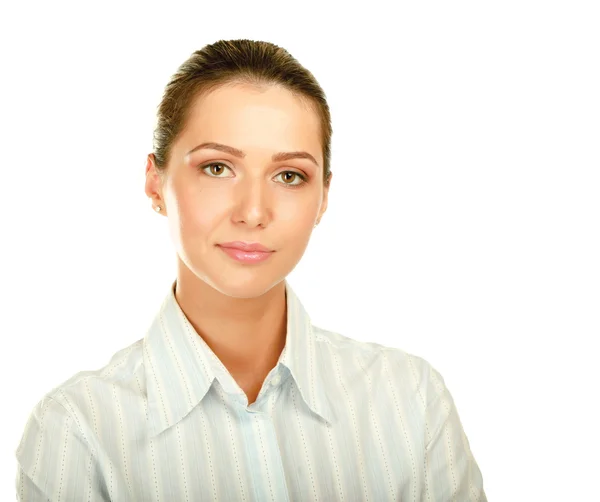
(157, 208)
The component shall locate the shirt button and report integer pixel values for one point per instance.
(275, 380)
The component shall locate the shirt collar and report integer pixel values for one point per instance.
(180, 367)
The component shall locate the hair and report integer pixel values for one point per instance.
(231, 62)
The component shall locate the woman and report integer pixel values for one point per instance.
(233, 394)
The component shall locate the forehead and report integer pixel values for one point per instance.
(249, 117)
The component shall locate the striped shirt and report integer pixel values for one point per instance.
(336, 420)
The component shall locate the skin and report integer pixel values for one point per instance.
(240, 309)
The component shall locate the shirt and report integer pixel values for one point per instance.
(335, 420)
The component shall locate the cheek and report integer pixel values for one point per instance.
(199, 212)
(295, 220)
(297, 211)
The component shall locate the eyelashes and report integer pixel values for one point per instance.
(302, 177)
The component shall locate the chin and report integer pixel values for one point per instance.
(237, 287)
(239, 280)
(242, 281)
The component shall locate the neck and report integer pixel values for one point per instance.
(246, 334)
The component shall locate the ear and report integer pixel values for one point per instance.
(325, 199)
(153, 186)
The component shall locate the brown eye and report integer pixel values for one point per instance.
(291, 176)
(215, 168)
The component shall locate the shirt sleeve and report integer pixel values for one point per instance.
(451, 470)
(55, 461)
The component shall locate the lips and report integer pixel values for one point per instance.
(244, 256)
(246, 246)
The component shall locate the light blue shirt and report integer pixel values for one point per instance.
(336, 420)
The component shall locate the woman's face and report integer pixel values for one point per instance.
(213, 196)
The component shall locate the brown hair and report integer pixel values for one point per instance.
(228, 62)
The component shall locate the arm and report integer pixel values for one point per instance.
(55, 461)
(451, 472)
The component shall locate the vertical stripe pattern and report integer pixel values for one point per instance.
(336, 420)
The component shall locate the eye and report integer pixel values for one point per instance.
(294, 176)
(202, 168)
(291, 175)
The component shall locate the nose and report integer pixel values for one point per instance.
(253, 203)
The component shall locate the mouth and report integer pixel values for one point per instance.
(246, 246)
(245, 256)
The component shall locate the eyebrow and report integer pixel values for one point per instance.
(277, 157)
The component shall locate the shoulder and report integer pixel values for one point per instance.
(82, 398)
(409, 372)
(399, 359)
(121, 367)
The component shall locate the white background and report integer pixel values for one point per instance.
(463, 222)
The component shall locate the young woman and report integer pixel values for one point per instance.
(233, 394)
